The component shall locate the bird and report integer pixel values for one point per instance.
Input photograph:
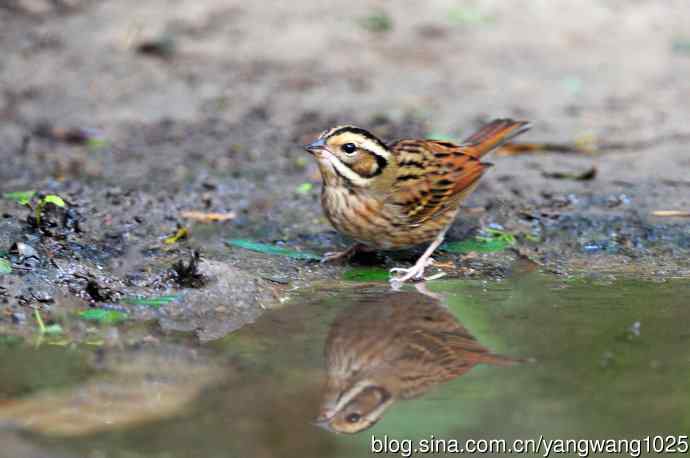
(397, 196)
(388, 347)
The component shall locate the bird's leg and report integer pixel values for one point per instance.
(421, 287)
(343, 256)
(417, 271)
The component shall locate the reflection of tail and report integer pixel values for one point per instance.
(515, 149)
(493, 135)
(500, 360)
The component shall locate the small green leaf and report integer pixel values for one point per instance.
(182, 233)
(153, 302)
(95, 143)
(366, 274)
(479, 245)
(304, 188)
(53, 330)
(272, 249)
(103, 316)
(5, 267)
(379, 21)
(681, 46)
(9, 341)
(495, 241)
(49, 199)
(496, 234)
(21, 197)
(55, 200)
(468, 16)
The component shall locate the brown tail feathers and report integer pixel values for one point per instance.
(493, 135)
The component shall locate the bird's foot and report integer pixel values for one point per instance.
(400, 275)
(340, 256)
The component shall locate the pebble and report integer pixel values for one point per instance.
(42, 296)
(23, 250)
(18, 317)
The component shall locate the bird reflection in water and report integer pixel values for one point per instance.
(391, 346)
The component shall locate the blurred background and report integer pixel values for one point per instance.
(606, 67)
(448, 59)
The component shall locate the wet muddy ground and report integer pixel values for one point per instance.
(136, 114)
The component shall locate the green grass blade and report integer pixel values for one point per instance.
(153, 302)
(477, 245)
(103, 316)
(365, 274)
(5, 267)
(273, 250)
(21, 197)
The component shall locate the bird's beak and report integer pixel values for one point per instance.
(324, 423)
(315, 146)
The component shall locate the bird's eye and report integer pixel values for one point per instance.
(353, 418)
(349, 148)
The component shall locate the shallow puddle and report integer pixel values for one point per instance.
(522, 358)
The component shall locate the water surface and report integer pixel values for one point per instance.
(607, 359)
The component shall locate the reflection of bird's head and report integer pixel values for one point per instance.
(363, 351)
(354, 410)
(392, 346)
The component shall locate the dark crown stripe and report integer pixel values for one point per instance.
(359, 131)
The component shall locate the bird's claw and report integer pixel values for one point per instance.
(340, 256)
(332, 256)
(416, 272)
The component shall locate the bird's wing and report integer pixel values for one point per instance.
(431, 176)
(431, 358)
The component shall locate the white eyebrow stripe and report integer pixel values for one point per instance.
(374, 148)
(347, 172)
(351, 393)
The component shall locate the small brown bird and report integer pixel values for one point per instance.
(402, 195)
(390, 347)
